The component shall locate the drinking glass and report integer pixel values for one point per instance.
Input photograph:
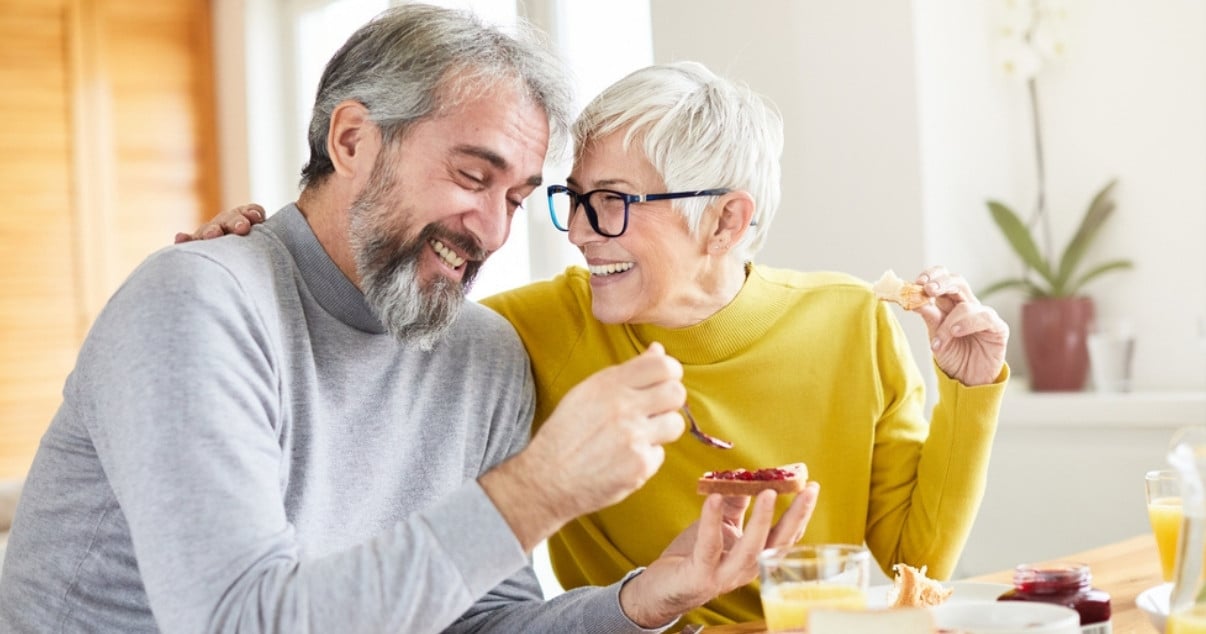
(1164, 511)
(797, 579)
(1187, 601)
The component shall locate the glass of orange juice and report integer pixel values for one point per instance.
(1191, 621)
(797, 579)
(1164, 512)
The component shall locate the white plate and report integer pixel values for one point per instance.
(1154, 603)
(1006, 617)
(965, 591)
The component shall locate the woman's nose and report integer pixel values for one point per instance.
(580, 231)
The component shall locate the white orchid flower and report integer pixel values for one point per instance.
(1017, 59)
(1014, 18)
(1050, 41)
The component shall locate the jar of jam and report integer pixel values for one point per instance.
(1066, 584)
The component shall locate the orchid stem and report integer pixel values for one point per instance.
(1040, 208)
(1040, 217)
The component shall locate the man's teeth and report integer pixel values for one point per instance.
(448, 255)
(610, 269)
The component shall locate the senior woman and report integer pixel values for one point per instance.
(674, 187)
(790, 367)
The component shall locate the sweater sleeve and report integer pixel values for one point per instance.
(584, 610)
(927, 481)
(179, 382)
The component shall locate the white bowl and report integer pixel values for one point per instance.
(1154, 603)
(1007, 617)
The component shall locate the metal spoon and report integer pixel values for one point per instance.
(701, 436)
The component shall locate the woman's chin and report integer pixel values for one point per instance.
(605, 313)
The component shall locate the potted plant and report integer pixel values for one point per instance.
(1056, 317)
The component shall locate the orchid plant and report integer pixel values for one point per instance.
(1032, 34)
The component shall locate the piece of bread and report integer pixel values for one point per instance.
(890, 288)
(789, 478)
(913, 589)
(895, 620)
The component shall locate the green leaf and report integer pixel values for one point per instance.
(1113, 265)
(1001, 285)
(1098, 212)
(1019, 238)
(1013, 282)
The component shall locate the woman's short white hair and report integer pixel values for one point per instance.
(699, 131)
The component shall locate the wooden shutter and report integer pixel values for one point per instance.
(107, 150)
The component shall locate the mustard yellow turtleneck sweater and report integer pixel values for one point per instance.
(800, 367)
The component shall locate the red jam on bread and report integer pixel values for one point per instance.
(783, 479)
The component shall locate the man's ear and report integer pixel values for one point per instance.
(732, 220)
(353, 140)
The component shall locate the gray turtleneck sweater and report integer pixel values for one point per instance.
(243, 448)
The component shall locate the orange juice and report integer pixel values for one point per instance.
(785, 606)
(1191, 621)
(1165, 516)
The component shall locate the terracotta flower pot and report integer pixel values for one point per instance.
(1054, 331)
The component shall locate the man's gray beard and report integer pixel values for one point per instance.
(388, 264)
(395, 293)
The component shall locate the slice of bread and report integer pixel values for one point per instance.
(890, 288)
(913, 589)
(789, 478)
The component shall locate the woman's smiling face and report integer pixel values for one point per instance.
(657, 272)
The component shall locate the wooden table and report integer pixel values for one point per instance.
(1123, 569)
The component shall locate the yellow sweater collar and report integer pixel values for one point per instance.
(736, 326)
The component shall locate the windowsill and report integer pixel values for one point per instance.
(1145, 408)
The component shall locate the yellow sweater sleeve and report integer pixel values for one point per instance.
(927, 480)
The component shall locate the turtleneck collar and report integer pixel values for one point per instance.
(728, 331)
(329, 286)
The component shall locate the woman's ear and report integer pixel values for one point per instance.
(736, 211)
(353, 140)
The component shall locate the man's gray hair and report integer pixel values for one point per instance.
(699, 131)
(415, 61)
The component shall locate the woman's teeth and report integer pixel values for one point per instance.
(448, 255)
(610, 269)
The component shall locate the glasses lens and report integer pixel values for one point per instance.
(611, 210)
(561, 206)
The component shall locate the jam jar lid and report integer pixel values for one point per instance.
(1052, 578)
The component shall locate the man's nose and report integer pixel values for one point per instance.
(491, 222)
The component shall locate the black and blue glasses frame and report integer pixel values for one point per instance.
(593, 216)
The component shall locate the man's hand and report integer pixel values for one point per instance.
(714, 555)
(237, 221)
(602, 442)
(968, 338)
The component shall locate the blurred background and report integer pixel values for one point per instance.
(126, 121)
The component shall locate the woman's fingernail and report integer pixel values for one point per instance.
(935, 343)
(240, 224)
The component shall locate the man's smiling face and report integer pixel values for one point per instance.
(438, 203)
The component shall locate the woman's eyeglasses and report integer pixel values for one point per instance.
(607, 209)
